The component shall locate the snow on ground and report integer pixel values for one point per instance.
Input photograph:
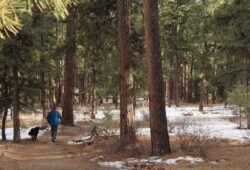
(96, 158)
(191, 159)
(153, 160)
(172, 112)
(211, 129)
(213, 120)
(116, 164)
(175, 112)
(24, 132)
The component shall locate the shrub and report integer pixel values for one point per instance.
(240, 96)
(193, 137)
(108, 118)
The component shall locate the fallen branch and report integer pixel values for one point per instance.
(94, 135)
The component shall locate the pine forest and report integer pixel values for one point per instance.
(124, 84)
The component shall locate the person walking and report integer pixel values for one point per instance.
(54, 119)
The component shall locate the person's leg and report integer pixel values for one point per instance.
(53, 133)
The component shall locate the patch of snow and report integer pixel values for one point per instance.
(24, 133)
(171, 161)
(191, 159)
(116, 164)
(74, 143)
(143, 131)
(150, 160)
(101, 114)
(213, 162)
(81, 114)
(132, 160)
(212, 121)
(96, 158)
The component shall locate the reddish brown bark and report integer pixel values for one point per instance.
(69, 69)
(158, 122)
(126, 71)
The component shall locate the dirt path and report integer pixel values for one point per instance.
(45, 155)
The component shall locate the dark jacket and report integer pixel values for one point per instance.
(54, 118)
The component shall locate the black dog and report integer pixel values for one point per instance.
(34, 132)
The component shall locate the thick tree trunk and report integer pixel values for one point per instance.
(16, 124)
(158, 122)
(69, 69)
(127, 132)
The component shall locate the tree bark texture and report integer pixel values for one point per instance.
(69, 68)
(6, 100)
(158, 121)
(126, 73)
(16, 124)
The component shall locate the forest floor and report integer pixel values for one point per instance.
(44, 155)
(107, 153)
